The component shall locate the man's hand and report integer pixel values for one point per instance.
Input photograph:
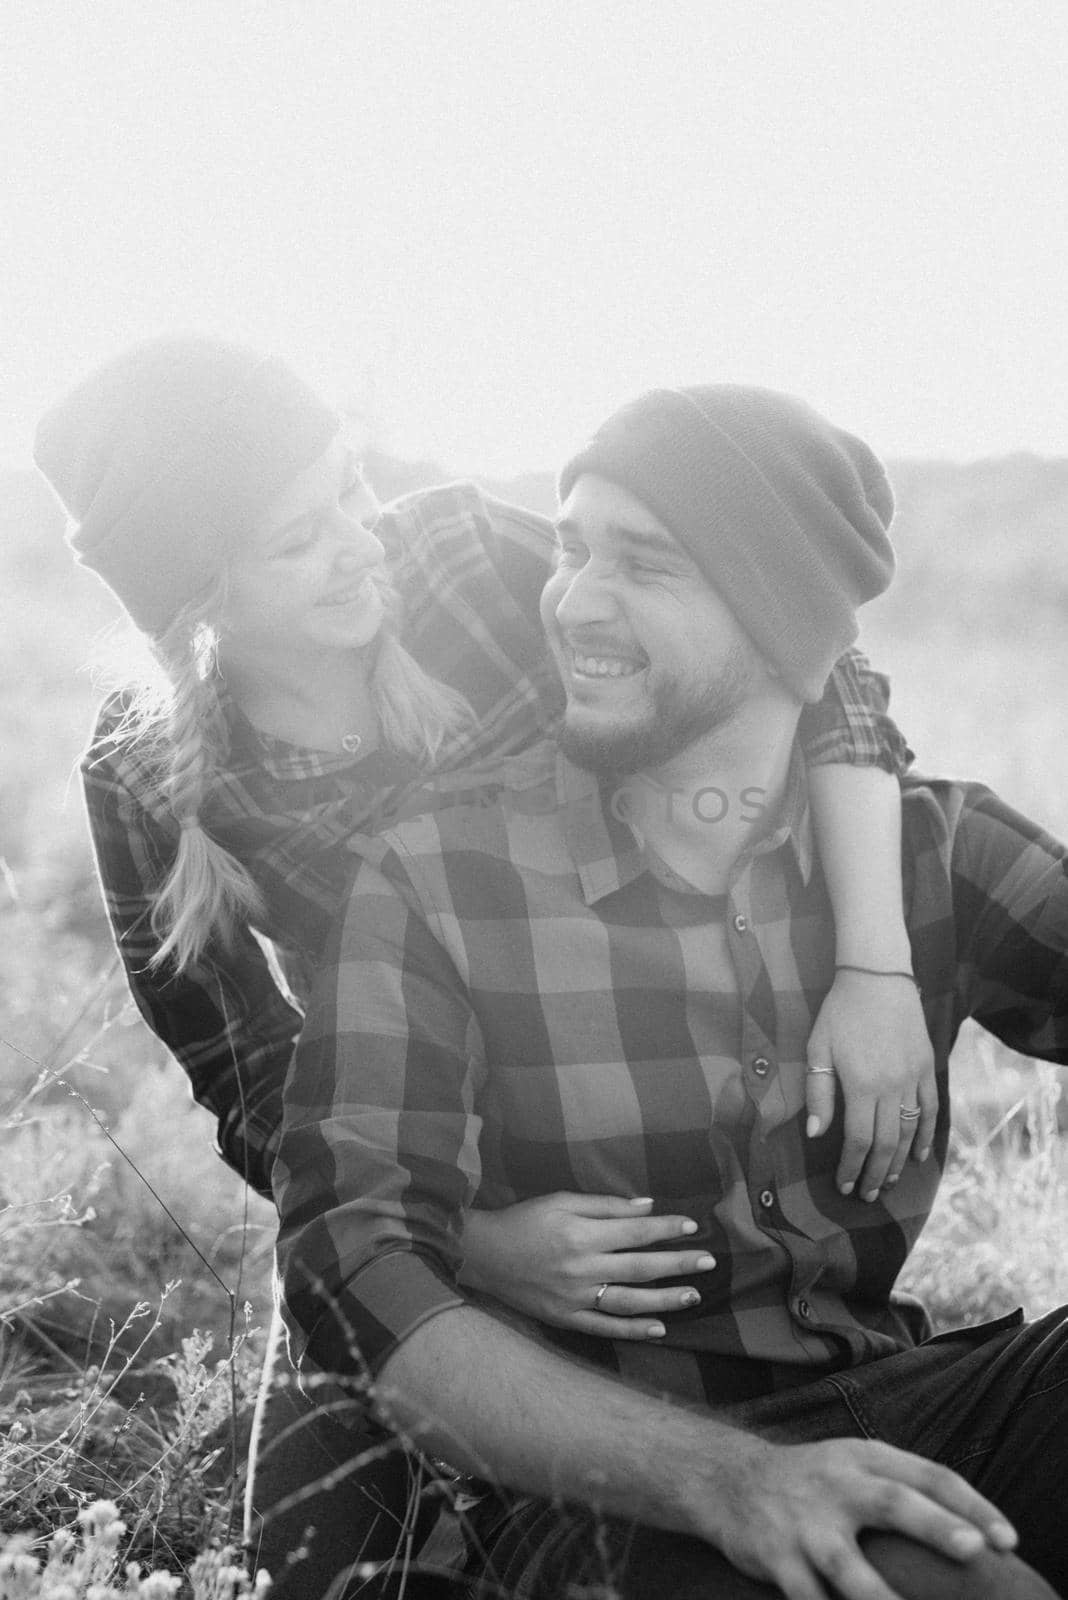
(871, 1031)
(548, 1257)
(790, 1514)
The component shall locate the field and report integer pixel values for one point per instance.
(134, 1269)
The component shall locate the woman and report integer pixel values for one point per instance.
(311, 673)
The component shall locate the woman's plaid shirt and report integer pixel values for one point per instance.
(469, 571)
(518, 1002)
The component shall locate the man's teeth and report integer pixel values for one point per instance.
(604, 666)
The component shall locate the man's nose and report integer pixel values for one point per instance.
(588, 597)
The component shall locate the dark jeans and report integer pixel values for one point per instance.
(990, 1402)
(330, 1495)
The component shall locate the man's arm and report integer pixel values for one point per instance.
(379, 1154)
(497, 1403)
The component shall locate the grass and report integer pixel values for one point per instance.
(130, 1306)
(129, 1319)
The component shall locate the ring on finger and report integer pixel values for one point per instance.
(910, 1113)
(602, 1290)
(818, 1072)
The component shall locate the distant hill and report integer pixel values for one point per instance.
(979, 523)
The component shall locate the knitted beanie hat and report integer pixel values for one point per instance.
(785, 514)
(165, 457)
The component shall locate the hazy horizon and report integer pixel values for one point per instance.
(486, 230)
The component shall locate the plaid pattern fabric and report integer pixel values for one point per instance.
(469, 570)
(517, 1002)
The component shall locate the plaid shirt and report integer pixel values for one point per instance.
(519, 1002)
(469, 571)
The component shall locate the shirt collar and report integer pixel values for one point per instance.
(287, 762)
(793, 826)
(607, 856)
(604, 850)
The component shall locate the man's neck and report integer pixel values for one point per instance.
(699, 811)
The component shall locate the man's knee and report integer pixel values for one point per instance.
(919, 1573)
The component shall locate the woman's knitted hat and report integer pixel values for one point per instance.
(785, 514)
(165, 457)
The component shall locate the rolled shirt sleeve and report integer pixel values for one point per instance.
(225, 1019)
(851, 723)
(379, 1150)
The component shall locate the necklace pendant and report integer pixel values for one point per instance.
(350, 743)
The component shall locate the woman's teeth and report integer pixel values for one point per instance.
(357, 592)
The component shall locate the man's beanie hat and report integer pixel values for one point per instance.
(785, 514)
(165, 457)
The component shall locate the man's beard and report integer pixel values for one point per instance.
(680, 713)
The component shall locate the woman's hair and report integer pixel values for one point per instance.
(175, 713)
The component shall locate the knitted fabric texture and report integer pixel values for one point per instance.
(785, 514)
(165, 457)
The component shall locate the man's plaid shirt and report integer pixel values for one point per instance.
(517, 1002)
(469, 571)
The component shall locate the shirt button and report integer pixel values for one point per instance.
(761, 1066)
(804, 1309)
(740, 923)
(767, 1198)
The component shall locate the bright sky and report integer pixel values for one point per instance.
(488, 224)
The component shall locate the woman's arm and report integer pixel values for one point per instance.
(870, 1032)
(226, 1022)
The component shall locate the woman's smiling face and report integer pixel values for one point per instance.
(313, 573)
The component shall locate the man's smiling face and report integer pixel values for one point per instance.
(650, 656)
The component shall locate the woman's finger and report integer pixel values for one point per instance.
(886, 1138)
(857, 1140)
(622, 1301)
(904, 1149)
(600, 1206)
(640, 1266)
(636, 1233)
(635, 1329)
(916, 1132)
(927, 1096)
(820, 1080)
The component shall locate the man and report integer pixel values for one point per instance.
(601, 974)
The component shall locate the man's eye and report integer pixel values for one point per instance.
(642, 569)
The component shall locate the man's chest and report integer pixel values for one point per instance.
(648, 1026)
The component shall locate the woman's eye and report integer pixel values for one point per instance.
(570, 555)
(297, 544)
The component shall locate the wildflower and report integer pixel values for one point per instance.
(216, 1575)
(19, 1570)
(61, 1545)
(157, 1586)
(99, 1515)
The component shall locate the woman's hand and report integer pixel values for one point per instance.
(550, 1256)
(872, 1036)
